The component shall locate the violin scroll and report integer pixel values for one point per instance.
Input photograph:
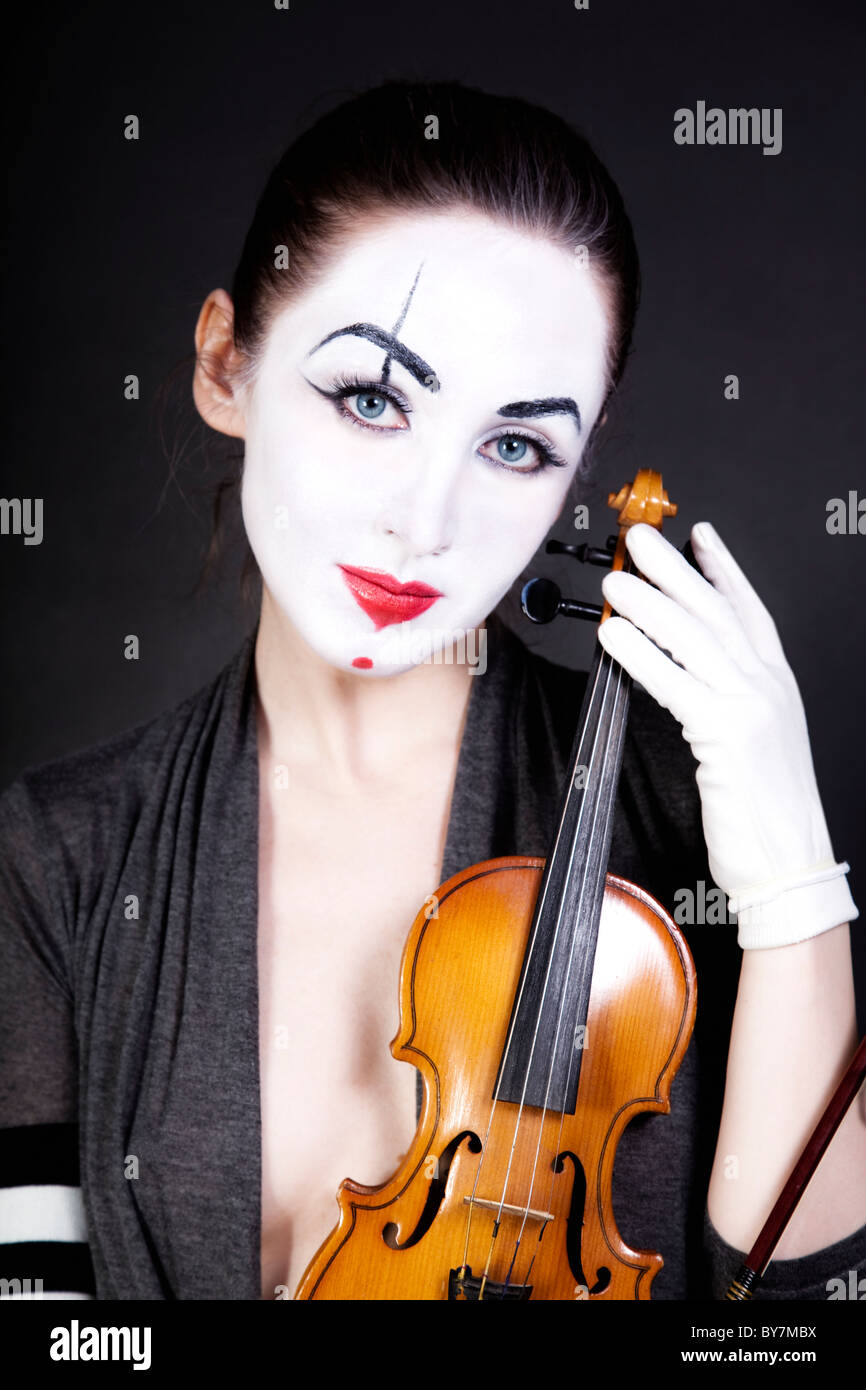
(644, 500)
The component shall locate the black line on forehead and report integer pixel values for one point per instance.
(386, 369)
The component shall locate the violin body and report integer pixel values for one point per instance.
(477, 1166)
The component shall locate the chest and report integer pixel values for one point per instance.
(340, 882)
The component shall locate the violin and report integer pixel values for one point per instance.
(545, 1003)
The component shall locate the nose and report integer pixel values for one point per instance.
(422, 511)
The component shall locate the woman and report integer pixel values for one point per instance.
(204, 918)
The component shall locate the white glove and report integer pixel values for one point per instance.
(741, 712)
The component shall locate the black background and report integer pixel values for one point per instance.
(752, 264)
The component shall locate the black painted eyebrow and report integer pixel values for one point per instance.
(422, 372)
(550, 405)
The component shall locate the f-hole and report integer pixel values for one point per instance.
(434, 1196)
(574, 1229)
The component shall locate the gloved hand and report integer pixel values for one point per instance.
(741, 712)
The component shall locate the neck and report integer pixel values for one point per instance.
(349, 730)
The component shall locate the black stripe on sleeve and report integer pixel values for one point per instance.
(63, 1267)
(34, 1154)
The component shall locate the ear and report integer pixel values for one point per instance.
(215, 388)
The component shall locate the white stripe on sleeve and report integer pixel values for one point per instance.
(42, 1212)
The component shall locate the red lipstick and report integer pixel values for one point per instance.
(384, 599)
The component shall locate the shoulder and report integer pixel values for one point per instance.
(66, 807)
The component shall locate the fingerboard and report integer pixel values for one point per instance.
(547, 1030)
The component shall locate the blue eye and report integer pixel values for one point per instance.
(359, 401)
(511, 448)
(370, 404)
(515, 451)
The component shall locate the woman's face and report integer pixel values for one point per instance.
(412, 431)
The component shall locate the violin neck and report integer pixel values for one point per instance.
(547, 1031)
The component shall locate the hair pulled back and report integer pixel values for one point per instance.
(373, 154)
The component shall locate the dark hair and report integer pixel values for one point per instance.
(503, 156)
(372, 155)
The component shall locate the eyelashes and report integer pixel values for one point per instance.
(548, 456)
(342, 388)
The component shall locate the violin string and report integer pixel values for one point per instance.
(608, 814)
(511, 1266)
(531, 1262)
(555, 1049)
(604, 663)
(561, 1014)
(532, 944)
(563, 1000)
(526, 972)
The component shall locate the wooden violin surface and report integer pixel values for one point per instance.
(541, 1181)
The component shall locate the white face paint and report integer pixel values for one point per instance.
(438, 490)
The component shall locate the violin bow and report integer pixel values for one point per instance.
(743, 1286)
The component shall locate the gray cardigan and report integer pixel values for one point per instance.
(129, 1070)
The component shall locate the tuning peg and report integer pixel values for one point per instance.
(586, 554)
(592, 555)
(542, 601)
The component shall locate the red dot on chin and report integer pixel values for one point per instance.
(362, 662)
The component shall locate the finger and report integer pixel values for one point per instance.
(666, 682)
(688, 640)
(720, 567)
(665, 567)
